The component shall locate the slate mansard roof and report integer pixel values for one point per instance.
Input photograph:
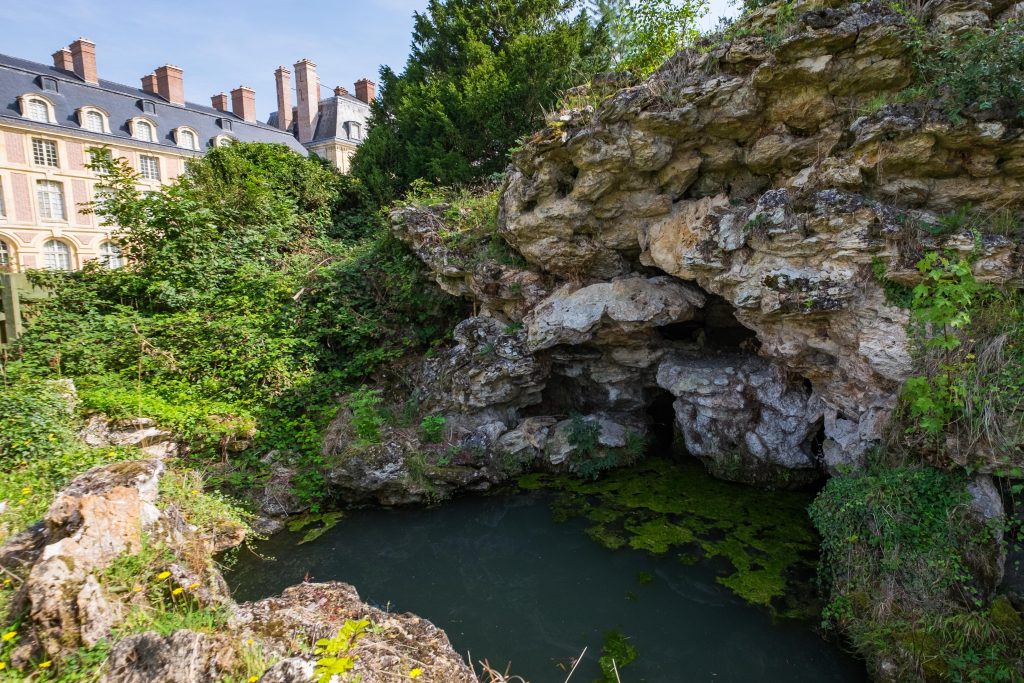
(333, 113)
(121, 103)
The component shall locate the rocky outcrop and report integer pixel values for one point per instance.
(714, 232)
(110, 513)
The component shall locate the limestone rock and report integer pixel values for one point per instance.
(182, 657)
(745, 419)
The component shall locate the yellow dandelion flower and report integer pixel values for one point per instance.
(162, 575)
(177, 591)
(10, 634)
(193, 586)
(249, 642)
(45, 665)
(27, 490)
(111, 454)
(3, 665)
(138, 589)
(416, 673)
(195, 492)
(253, 679)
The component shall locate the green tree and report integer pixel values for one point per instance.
(645, 33)
(479, 77)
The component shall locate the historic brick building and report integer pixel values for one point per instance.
(51, 116)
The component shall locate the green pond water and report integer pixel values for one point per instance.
(708, 581)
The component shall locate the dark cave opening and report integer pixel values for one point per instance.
(661, 417)
(715, 327)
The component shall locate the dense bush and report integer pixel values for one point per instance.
(900, 556)
(260, 287)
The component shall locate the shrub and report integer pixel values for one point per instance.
(366, 416)
(432, 428)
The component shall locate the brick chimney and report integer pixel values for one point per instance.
(366, 90)
(62, 59)
(170, 84)
(149, 83)
(339, 91)
(307, 86)
(220, 102)
(283, 78)
(243, 103)
(83, 60)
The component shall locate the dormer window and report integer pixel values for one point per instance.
(143, 130)
(92, 120)
(222, 140)
(225, 124)
(36, 109)
(187, 138)
(47, 83)
(147, 106)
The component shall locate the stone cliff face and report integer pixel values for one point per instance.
(709, 235)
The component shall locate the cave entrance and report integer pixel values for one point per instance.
(714, 328)
(661, 417)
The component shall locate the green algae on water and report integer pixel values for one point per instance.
(663, 507)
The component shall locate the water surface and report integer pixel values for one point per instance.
(510, 584)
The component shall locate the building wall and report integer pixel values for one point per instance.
(21, 226)
(336, 152)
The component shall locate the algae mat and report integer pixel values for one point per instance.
(761, 542)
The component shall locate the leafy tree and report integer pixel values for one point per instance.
(478, 77)
(645, 33)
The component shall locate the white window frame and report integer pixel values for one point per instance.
(137, 126)
(46, 146)
(51, 199)
(26, 108)
(83, 116)
(55, 258)
(110, 254)
(7, 254)
(149, 167)
(222, 140)
(179, 138)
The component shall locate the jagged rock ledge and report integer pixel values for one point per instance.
(115, 511)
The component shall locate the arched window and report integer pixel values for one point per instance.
(110, 254)
(57, 255)
(6, 256)
(187, 139)
(93, 121)
(223, 140)
(37, 109)
(143, 130)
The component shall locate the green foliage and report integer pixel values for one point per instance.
(646, 33)
(478, 77)
(898, 548)
(366, 415)
(974, 69)
(589, 458)
(259, 288)
(896, 294)
(616, 652)
(941, 304)
(432, 428)
(335, 658)
(39, 450)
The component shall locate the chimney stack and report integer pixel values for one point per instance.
(220, 102)
(62, 59)
(307, 85)
(170, 84)
(339, 91)
(149, 83)
(83, 60)
(366, 90)
(243, 103)
(283, 77)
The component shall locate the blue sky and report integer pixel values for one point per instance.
(222, 44)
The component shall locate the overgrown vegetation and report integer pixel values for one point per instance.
(901, 553)
(260, 288)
